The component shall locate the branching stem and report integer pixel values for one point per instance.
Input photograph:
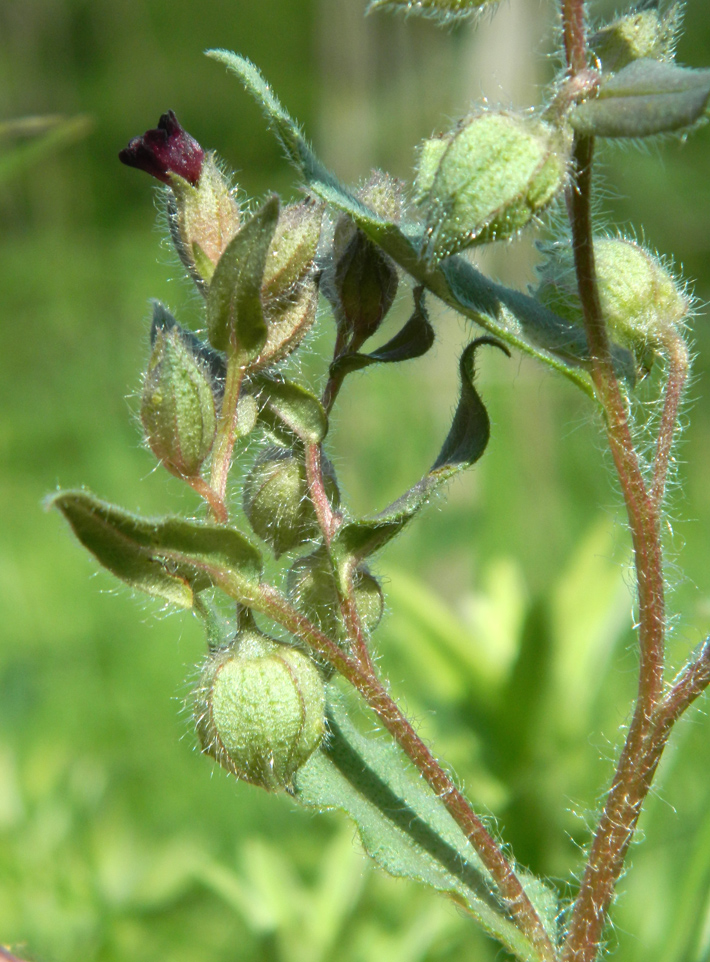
(653, 717)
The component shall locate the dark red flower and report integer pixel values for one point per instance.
(166, 150)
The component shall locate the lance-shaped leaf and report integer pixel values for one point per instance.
(235, 316)
(166, 557)
(403, 826)
(414, 340)
(647, 97)
(464, 445)
(287, 409)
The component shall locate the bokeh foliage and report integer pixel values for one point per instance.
(507, 632)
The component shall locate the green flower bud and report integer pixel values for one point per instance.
(383, 194)
(487, 179)
(292, 250)
(277, 503)
(203, 218)
(260, 709)
(643, 33)
(312, 588)
(640, 299)
(178, 404)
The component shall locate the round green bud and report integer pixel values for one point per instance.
(640, 299)
(178, 404)
(487, 179)
(277, 503)
(312, 588)
(260, 710)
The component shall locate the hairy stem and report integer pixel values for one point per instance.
(642, 751)
(216, 504)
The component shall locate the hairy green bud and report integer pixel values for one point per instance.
(178, 404)
(203, 219)
(260, 709)
(642, 34)
(641, 301)
(487, 179)
(277, 503)
(312, 588)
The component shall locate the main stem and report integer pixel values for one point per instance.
(642, 751)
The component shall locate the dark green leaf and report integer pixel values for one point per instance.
(414, 340)
(464, 445)
(167, 557)
(234, 310)
(285, 405)
(404, 827)
(647, 97)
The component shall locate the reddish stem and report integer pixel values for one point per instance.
(227, 426)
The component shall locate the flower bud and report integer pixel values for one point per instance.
(640, 300)
(641, 34)
(487, 179)
(260, 709)
(178, 404)
(276, 500)
(365, 285)
(164, 151)
(203, 219)
(311, 586)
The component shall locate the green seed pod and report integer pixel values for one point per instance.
(260, 709)
(276, 500)
(640, 299)
(312, 588)
(203, 219)
(641, 34)
(487, 179)
(178, 405)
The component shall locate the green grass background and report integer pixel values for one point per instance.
(508, 625)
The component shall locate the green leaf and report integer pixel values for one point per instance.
(286, 409)
(167, 557)
(464, 445)
(645, 98)
(234, 310)
(414, 340)
(403, 826)
(516, 318)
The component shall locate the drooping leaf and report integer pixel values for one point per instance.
(234, 309)
(170, 558)
(403, 826)
(464, 445)
(288, 409)
(645, 98)
(414, 340)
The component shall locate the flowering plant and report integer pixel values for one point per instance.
(270, 707)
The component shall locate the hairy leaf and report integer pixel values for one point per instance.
(647, 97)
(404, 827)
(234, 310)
(514, 317)
(170, 558)
(285, 405)
(415, 339)
(464, 445)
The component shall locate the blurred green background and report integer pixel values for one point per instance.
(507, 632)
